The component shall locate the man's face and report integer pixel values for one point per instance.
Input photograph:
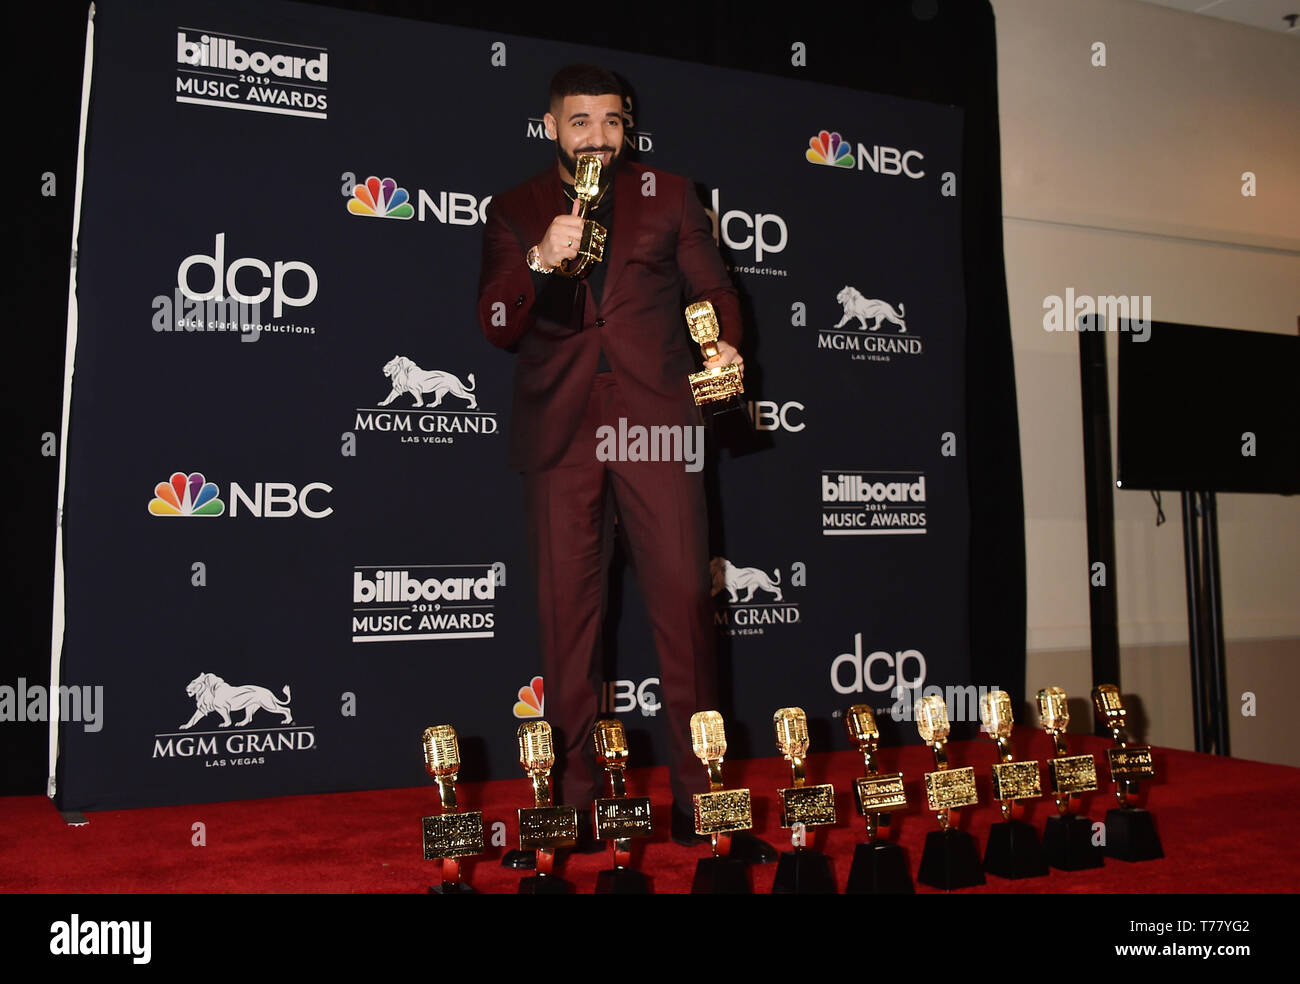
(587, 125)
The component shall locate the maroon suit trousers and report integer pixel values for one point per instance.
(661, 507)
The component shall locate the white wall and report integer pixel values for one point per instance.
(1126, 179)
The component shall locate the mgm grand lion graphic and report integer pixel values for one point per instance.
(407, 377)
(211, 693)
(748, 579)
(865, 309)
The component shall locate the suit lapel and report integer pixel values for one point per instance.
(627, 215)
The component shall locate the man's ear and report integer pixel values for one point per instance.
(548, 121)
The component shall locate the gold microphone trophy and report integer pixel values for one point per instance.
(879, 866)
(543, 827)
(717, 391)
(619, 817)
(451, 835)
(718, 813)
(1130, 832)
(591, 248)
(1067, 837)
(1013, 850)
(801, 871)
(951, 858)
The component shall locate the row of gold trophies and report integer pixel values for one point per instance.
(950, 859)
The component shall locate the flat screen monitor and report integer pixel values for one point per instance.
(1208, 409)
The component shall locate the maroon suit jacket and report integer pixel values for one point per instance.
(660, 255)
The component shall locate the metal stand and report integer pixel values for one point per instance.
(1205, 622)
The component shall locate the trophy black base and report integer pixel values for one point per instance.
(730, 425)
(951, 860)
(622, 881)
(721, 876)
(1068, 846)
(1013, 851)
(452, 888)
(879, 868)
(1131, 835)
(803, 872)
(544, 885)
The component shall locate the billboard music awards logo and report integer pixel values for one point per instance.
(191, 494)
(384, 198)
(414, 409)
(869, 329)
(861, 503)
(243, 744)
(749, 599)
(236, 72)
(831, 150)
(408, 603)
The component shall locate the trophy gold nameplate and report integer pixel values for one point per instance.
(547, 827)
(879, 794)
(951, 857)
(1130, 831)
(1067, 837)
(879, 865)
(722, 812)
(1072, 775)
(591, 246)
(1013, 850)
(718, 813)
(450, 835)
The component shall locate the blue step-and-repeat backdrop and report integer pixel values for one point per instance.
(291, 538)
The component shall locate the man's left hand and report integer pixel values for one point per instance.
(727, 356)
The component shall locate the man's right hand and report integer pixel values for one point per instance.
(562, 238)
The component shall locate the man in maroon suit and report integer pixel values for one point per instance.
(612, 344)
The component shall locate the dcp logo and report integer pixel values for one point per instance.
(763, 232)
(229, 277)
(879, 672)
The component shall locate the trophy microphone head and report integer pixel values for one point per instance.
(708, 736)
(861, 725)
(995, 714)
(1053, 708)
(536, 751)
(611, 742)
(791, 731)
(702, 321)
(586, 176)
(932, 719)
(441, 752)
(1110, 707)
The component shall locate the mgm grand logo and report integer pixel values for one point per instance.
(242, 745)
(414, 407)
(749, 599)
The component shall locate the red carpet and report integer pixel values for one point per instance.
(1227, 825)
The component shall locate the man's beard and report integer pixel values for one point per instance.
(570, 162)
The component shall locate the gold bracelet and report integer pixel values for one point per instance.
(535, 261)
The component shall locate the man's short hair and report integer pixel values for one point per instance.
(583, 80)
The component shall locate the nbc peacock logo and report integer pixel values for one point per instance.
(830, 149)
(186, 495)
(532, 700)
(381, 198)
